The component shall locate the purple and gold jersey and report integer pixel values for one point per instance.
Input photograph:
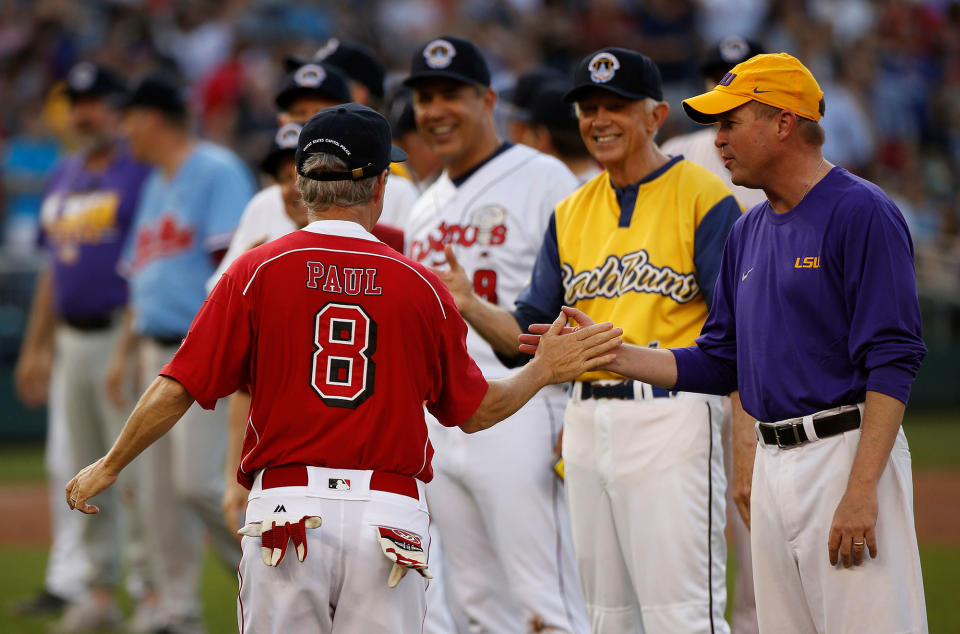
(813, 306)
(644, 257)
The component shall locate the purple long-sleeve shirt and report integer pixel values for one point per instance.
(812, 307)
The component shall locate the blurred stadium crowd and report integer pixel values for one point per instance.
(890, 70)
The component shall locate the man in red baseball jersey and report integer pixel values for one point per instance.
(340, 341)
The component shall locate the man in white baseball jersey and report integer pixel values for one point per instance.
(643, 466)
(499, 508)
(341, 341)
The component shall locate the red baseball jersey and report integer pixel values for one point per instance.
(340, 340)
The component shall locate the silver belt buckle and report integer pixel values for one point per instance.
(796, 434)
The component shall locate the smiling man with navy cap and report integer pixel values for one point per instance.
(485, 217)
(641, 242)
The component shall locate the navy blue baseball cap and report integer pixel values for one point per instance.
(618, 70)
(356, 61)
(521, 96)
(313, 79)
(548, 108)
(450, 58)
(158, 91)
(358, 135)
(284, 145)
(726, 54)
(86, 79)
(400, 112)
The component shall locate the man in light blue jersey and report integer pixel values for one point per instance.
(190, 206)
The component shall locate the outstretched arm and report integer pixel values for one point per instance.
(656, 366)
(160, 407)
(558, 359)
(496, 325)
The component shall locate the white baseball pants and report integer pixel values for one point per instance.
(505, 527)
(795, 494)
(341, 586)
(646, 486)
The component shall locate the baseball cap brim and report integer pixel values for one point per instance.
(397, 155)
(704, 108)
(413, 80)
(577, 93)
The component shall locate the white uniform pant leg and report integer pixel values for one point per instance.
(94, 425)
(800, 490)
(68, 565)
(506, 472)
(341, 586)
(660, 462)
(610, 601)
(473, 575)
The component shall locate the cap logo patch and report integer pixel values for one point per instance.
(287, 136)
(82, 76)
(327, 49)
(729, 77)
(603, 67)
(309, 76)
(733, 49)
(439, 53)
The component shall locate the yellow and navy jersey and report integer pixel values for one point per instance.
(645, 256)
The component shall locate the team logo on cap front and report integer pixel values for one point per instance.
(439, 53)
(309, 76)
(733, 49)
(82, 76)
(287, 136)
(327, 49)
(603, 67)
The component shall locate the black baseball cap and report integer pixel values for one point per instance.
(317, 79)
(548, 107)
(356, 61)
(726, 54)
(528, 84)
(284, 145)
(86, 79)
(618, 70)
(160, 92)
(358, 135)
(400, 112)
(451, 58)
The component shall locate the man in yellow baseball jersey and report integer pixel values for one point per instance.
(640, 244)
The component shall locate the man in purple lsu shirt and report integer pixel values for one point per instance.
(815, 320)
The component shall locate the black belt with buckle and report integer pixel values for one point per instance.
(622, 390)
(792, 433)
(90, 324)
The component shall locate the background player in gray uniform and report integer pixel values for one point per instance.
(497, 504)
(77, 316)
(188, 211)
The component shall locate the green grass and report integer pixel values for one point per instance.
(24, 570)
(21, 463)
(933, 438)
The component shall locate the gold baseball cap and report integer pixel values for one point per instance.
(775, 79)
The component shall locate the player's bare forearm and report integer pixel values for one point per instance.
(855, 519)
(497, 326)
(160, 407)
(559, 358)
(239, 407)
(744, 451)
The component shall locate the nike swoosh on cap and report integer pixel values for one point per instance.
(761, 91)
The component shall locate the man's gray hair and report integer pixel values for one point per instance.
(318, 195)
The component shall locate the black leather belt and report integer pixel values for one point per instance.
(623, 390)
(792, 433)
(166, 340)
(90, 324)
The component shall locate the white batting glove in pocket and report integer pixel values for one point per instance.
(405, 550)
(277, 531)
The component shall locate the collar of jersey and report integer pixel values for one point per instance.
(342, 228)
